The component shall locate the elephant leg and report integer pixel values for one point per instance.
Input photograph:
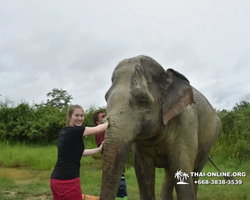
(196, 179)
(145, 173)
(184, 162)
(167, 186)
(199, 165)
(186, 192)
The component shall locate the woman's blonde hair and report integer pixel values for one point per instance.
(71, 111)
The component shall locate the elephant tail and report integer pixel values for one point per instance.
(226, 177)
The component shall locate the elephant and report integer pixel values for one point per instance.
(167, 122)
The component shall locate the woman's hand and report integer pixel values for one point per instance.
(90, 152)
(105, 120)
(100, 148)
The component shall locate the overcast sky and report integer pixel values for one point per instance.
(75, 45)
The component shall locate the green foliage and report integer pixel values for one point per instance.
(36, 124)
(234, 139)
(39, 123)
(6, 103)
(58, 98)
(31, 124)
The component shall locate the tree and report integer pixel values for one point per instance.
(244, 103)
(180, 175)
(6, 103)
(58, 98)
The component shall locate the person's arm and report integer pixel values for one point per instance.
(95, 130)
(90, 152)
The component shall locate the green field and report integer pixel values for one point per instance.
(25, 173)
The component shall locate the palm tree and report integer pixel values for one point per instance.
(181, 176)
(178, 174)
(185, 176)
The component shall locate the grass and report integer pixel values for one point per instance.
(21, 155)
(25, 172)
(234, 192)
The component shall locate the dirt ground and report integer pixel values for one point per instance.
(22, 177)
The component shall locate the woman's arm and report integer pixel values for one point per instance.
(90, 152)
(95, 130)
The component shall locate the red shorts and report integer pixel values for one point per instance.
(66, 189)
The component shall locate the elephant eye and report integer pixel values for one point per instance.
(143, 103)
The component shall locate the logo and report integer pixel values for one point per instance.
(181, 176)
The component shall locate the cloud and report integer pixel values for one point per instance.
(75, 45)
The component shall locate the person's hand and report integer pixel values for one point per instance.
(105, 120)
(101, 147)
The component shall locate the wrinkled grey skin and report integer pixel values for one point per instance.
(168, 123)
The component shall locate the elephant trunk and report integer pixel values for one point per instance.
(114, 157)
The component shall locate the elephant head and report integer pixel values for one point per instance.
(141, 101)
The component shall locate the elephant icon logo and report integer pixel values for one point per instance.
(181, 176)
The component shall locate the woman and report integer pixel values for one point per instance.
(65, 182)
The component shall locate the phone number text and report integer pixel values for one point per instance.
(218, 182)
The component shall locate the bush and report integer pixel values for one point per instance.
(37, 124)
(234, 139)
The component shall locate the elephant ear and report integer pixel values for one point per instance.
(177, 96)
